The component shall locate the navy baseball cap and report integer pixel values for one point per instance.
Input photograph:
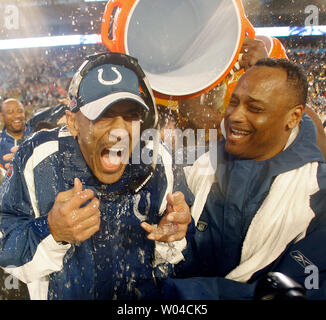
(103, 86)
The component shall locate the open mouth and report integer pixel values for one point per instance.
(113, 157)
(237, 133)
(17, 123)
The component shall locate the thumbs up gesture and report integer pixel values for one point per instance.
(68, 221)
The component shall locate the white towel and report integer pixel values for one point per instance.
(200, 177)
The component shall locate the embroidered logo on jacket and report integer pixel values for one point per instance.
(142, 216)
(202, 226)
(300, 258)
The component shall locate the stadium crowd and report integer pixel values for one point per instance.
(311, 55)
(39, 77)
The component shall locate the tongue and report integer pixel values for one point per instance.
(110, 160)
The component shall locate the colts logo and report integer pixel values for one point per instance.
(141, 215)
(112, 82)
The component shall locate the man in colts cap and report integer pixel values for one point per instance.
(75, 229)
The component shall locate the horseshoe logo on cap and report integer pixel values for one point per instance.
(112, 82)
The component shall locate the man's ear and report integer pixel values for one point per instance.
(72, 123)
(295, 115)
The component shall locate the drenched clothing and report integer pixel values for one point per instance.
(116, 262)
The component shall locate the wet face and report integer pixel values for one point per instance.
(13, 115)
(168, 133)
(106, 144)
(261, 114)
(205, 111)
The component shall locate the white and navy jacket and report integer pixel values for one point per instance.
(7, 141)
(253, 217)
(116, 262)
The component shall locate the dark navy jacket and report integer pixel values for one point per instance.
(7, 142)
(115, 263)
(230, 207)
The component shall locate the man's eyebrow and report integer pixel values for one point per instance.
(252, 99)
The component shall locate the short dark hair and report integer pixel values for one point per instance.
(10, 100)
(165, 114)
(296, 77)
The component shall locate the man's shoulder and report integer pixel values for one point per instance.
(41, 137)
(39, 146)
(321, 175)
(5, 137)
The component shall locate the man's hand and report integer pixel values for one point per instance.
(68, 221)
(174, 224)
(252, 50)
(9, 156)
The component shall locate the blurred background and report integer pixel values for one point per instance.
(42, 43)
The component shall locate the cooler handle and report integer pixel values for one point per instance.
(116, 44)
(248, 28)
